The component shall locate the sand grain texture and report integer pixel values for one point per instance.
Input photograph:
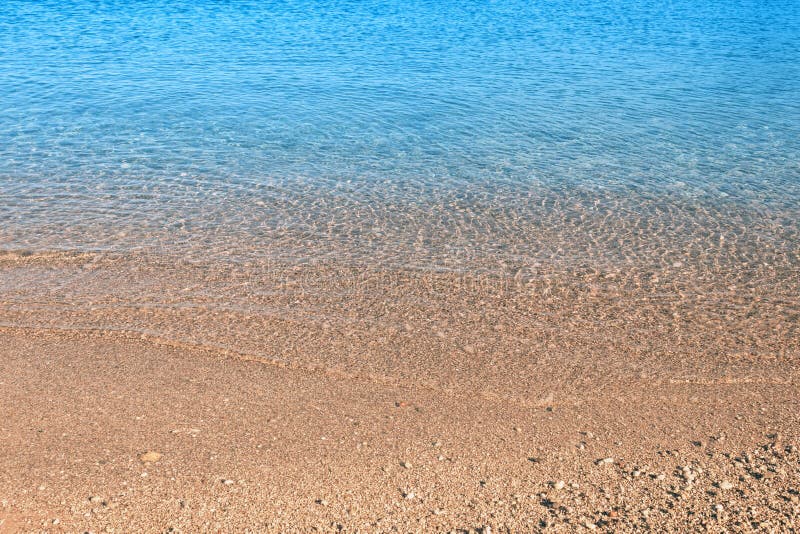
(247, 445)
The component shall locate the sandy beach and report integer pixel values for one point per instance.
(111, 434)
(388, 402)
(397, 266)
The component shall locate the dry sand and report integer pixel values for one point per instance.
(418, 405)
(247, 445)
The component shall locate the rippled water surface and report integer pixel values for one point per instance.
(425, 134)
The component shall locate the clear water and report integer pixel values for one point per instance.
(574, 132)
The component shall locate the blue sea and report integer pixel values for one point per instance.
(605, 134)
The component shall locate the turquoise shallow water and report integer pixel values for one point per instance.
(604, 134)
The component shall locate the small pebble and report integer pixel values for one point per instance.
(725, 485)
(150, 456)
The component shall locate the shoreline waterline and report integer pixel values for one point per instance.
(487, 331)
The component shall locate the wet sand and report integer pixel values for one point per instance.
(141, 396)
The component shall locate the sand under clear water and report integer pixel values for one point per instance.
(397, 266)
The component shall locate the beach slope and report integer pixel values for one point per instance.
(112, 432)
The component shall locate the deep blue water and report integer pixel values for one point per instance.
(585, 130)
